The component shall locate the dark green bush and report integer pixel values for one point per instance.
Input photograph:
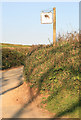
(11, 58)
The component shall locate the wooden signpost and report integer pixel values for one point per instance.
(54, 26)
(49, 18)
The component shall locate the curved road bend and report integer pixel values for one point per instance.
(15, 97)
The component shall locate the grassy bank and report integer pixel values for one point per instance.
(54, 71)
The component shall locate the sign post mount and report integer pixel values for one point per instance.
(49, 18)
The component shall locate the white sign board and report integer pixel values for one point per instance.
(46, 18)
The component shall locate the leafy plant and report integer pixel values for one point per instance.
(11, 58)
(55, 71)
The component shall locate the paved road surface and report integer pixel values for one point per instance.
(16, 97)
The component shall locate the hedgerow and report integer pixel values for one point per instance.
(11, 58)
(54, 70)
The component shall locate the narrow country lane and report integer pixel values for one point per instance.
(15, 97)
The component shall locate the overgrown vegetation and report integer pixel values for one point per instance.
(11, 58)
(54, 71)
(12, 55)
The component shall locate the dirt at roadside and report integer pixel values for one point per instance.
(16, 100)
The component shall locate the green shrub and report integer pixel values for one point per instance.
(11, 58)
(54, 70)
(57, 64)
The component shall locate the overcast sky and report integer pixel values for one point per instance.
(21, 21)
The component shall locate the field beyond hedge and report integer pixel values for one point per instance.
(54, 72)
